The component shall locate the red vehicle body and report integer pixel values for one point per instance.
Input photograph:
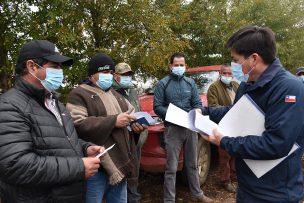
(153, 156)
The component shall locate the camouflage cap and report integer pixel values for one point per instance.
(123, 68)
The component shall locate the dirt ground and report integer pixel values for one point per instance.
(151, 188)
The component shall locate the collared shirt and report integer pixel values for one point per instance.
(50, 104)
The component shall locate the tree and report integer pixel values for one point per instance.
(15, 19)
(212, 22)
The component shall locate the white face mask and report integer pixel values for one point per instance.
(178, 70)
(226, 80)
(125, 81)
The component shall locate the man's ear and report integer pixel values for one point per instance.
(30, 66)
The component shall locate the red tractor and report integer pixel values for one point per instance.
(153, 157)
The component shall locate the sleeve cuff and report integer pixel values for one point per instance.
(223, 142)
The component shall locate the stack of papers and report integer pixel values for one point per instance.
(244, 118)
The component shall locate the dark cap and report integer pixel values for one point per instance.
(300, 70)
(100, 62)
(42, 49)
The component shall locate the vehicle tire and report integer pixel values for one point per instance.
(203, 161)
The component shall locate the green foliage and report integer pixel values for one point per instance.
(144, 33)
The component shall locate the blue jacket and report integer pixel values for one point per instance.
(178, 90)
(284, 126)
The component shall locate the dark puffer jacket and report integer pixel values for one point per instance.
(40, 160)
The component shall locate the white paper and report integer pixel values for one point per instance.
(105, 151)
(178, 116)
(147, 116)
(244, 118)
(261, 167)
(202, 124)
(193, 120)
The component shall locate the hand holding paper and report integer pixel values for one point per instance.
(143, 118)
(105, 151)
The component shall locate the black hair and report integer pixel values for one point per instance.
(21, 69)
(254, 39)
(177, 55)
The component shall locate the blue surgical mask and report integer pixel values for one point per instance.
(238, 73)
(125, 81)
(105, 81)
(226, 80)
(302, 78)
(178, 70)
(53, 79)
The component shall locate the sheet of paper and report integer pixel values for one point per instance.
(105, 151)
(246, 118)
(179, 117)
(261, 167)
(200, 123)
(192, 120)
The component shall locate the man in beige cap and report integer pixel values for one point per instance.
(122, 83)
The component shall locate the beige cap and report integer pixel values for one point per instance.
(123, 68)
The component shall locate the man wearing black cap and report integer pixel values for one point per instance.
(101, 115)
(40, 153)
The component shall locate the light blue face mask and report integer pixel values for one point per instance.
(178, 70)
(125, 81)
(226, 80)
(238, 73)
(53, 79)
(302, 78)
(105, 81)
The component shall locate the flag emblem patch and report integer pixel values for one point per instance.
(290, 99)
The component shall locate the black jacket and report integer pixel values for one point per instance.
(40, 160)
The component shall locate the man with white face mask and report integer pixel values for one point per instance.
(101, 115)
(41, 157)
(182, 92)
(222, 93)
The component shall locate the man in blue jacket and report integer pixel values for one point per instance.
(182, 92)
(281, 97)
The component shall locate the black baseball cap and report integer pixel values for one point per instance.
(43, 49)
(100, 62)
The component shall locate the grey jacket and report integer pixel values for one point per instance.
(178, 90)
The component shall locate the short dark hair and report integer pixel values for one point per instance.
(177, 55)
(21, 69)
(254, 39)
